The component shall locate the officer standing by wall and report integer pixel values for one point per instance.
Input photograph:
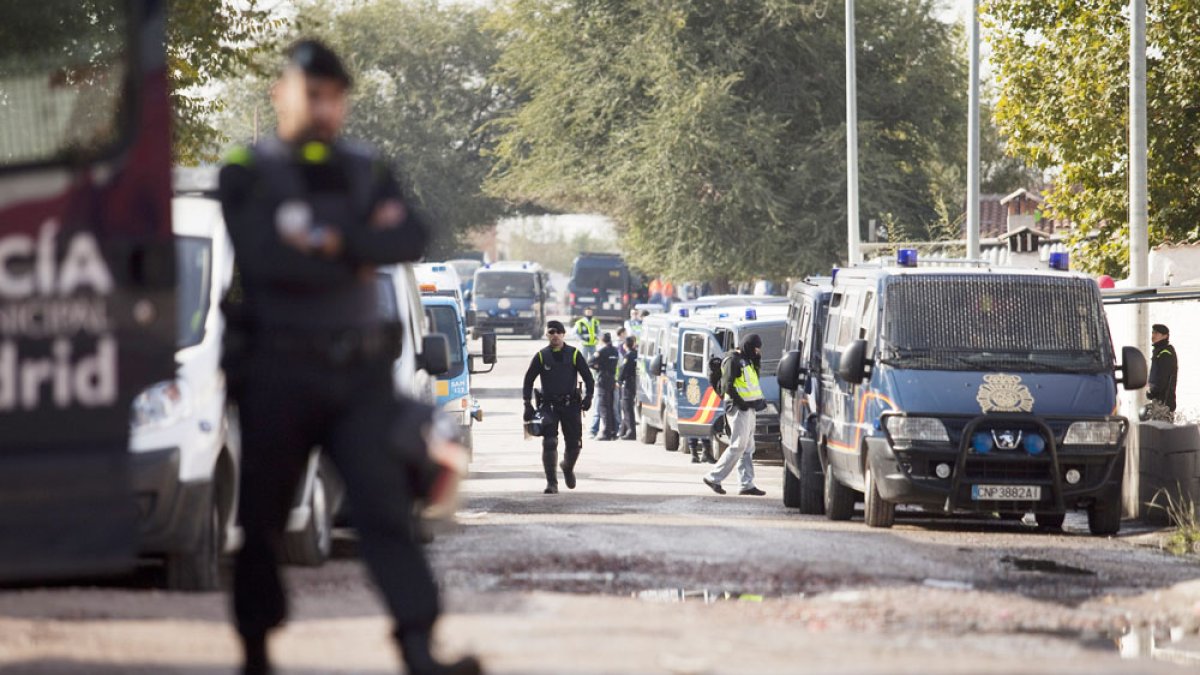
(558, 364)
(606, 363)
(628, 382)
(587, 329)
(743, 398)
(309, 363)
(1164, 370)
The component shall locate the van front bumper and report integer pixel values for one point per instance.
(171, 513)
(505, 325)
(908, 475)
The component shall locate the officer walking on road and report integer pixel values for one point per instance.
(587, 329)
(628, 381)
(605, 363)
(743, 398)
(558, 364)
(309, 363)
(1164, 370)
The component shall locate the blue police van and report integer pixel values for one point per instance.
(453, 388)
(509, 298)
(799, 378)
(970, 390)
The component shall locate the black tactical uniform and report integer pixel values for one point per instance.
(560, 406)
(606, 362)
(314, 368)
(1164, 370)
(628, 380)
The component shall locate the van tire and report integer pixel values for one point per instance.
(791, 488)
(877, 511)
(671, 440)
(313, 545)
(839, 499)
(1104, 514)
(646, 433)
(812, 483)
(199, 569)
(1051, 521)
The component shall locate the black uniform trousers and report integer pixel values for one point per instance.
(568, 416)
(605, 397)
(628, 398)
(287, 406)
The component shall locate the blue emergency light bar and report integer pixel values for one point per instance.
(906, 257)
(438, 268)
(683, 311)
(1060, 261)
(751, 314)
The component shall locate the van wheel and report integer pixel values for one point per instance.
(312, 546)
(791, 488)
(1051, 521)
(199, 569)
(1104, 514)
(839, 499)
(877, 511)
(812, 484)
(670, 439)
(646, 433)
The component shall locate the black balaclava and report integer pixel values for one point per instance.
(749, 343)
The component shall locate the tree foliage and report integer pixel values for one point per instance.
(713, 132)
(1063, 71)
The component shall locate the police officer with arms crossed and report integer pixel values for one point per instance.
(606, 363)
(743, 398)
(558, 364)
(309, 364)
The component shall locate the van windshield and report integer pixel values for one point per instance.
(504, 285)
(600, 277)
(772, 346)
(995, 322)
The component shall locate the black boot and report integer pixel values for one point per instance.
(256, 661)
(418, 660)
(695, 453)
(709, 458)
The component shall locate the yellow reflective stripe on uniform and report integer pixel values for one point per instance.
(239, 155)
(746, 384)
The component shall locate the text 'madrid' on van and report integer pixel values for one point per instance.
(970, 390)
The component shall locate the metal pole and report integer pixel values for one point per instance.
(1139, 241)
(854, 255)
(973, 141)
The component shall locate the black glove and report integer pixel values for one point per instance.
(760, 405)
(587, 403)
(529, 411)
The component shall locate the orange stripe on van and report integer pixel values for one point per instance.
(862, 414)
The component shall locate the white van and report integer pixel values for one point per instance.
(185, 463)
(440, 278)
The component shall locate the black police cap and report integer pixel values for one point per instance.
(317, 60)
(556, 325)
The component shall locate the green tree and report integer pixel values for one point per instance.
(1063, 75)
(713, 132)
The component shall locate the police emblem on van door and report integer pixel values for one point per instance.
(693, 391)
(1004, 393)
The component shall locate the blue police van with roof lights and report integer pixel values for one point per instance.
(971, 390)
(453, 388)
(729, 326)
(509, 298)
(799, 379)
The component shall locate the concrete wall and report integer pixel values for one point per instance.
(1170, 462)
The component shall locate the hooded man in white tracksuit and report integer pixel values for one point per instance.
(743, 400)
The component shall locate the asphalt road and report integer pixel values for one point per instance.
(642, 569)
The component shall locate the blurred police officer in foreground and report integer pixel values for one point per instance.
(558, 364)
(309, 362)
(743, 399)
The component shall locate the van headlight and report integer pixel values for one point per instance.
(905, 430)
(1094, 432)
(160, 405)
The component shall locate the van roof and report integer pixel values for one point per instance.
(510, 266)
(871, 272)
(439, 300)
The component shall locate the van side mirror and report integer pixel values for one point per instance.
(470, 318)
(852, 367)
(489, 348)
(435, 354)
(789, 371)
(656, 365)
(1133, 368)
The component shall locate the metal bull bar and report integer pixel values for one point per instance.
(964, 449)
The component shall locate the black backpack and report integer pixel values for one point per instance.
(716, 372)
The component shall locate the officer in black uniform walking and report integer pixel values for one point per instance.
(558, 364)
(309, 363)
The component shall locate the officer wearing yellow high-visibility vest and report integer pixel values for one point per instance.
(587, 329)
(743, 399)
